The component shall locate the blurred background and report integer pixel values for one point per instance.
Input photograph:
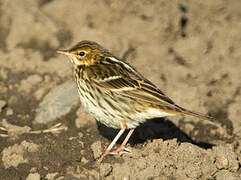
(190, 49)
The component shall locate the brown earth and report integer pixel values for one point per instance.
(190, 49)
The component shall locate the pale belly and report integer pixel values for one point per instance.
(112, 112)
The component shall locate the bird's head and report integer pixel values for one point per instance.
(85, 53)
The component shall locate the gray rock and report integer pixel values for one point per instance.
(57, 102)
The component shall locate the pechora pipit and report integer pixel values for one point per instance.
(115, 93)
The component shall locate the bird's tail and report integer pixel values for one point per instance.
(199, 115)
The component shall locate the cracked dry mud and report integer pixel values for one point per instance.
(190, 49)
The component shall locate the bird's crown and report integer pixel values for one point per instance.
(86, 53)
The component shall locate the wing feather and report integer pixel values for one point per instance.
(119, 77)
(128, 82)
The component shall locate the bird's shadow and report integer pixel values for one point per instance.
(157, 128)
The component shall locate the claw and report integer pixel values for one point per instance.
(127, 150)
(121, 150)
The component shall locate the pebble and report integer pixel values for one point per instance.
(51, 176)
(33, 176)
(58, 102)
(84, 160)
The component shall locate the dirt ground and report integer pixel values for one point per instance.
(190, 49)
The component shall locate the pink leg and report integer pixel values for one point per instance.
(107, 151)
(123, 145)
(127, 137)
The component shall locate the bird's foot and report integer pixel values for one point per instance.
(119, 151)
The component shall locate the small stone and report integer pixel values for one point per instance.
(84, 160)
(33, 170)
(33, 176)
(96, 148)
(58, 102)
(14, 155)
(193, 172)
(30, 147)
(222, 162)
(51, 176)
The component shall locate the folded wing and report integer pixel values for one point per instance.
(126, 81)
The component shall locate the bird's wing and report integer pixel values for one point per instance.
(123, 79)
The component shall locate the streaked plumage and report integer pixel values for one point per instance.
(115, 93)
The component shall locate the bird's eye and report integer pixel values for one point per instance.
(81, 53)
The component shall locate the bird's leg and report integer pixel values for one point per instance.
(122, 148)
(107, 151)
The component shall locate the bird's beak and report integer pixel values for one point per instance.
(65, 52)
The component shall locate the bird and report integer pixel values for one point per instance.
(116, 94)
